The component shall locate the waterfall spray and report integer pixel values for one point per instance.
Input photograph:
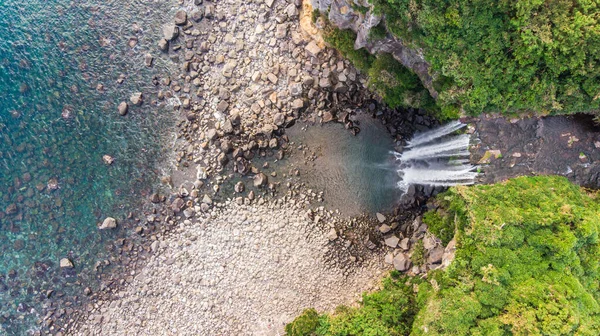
(437, 158)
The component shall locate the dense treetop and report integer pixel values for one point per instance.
(527, 263)
(507, 56)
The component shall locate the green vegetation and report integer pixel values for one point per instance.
(441, 226)
(343, 41)
(359, 8)
(378, 32)
(389, 311)
(305, 324)
(527, 262)
(510, 56)
(397, 85)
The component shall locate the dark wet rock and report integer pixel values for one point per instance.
(123, 108)
(538, 146)
(170, 31)
(155, 198)
(223, 159)
(108, 223)
(370, 242)
(180, 17)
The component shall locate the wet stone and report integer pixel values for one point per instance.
(180, 17)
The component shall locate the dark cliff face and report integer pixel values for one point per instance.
(561, 145)
(343, 15)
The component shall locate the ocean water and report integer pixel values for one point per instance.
(60, 62)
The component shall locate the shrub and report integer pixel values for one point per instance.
(304, 325)
(418, 254)
(343, 41)
(397, 85)
(441, 227)
(526, 262)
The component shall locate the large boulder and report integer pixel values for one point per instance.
(435, 255)
(136, 98)
(401, 262)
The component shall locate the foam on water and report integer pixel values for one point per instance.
(436, 158)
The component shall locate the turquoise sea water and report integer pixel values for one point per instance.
(56, 123)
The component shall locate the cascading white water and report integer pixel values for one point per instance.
(437, 158)
(434, 134)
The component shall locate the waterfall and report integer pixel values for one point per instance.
(437, 158)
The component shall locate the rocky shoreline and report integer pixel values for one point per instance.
(243, 80)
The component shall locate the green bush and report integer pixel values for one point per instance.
(378, 32)
(343, 41)
(508, 56)
(304, 325)
(386, 312)
(397, 85)
(418, 254)
(441, 227)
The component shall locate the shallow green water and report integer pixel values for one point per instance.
(55, 125)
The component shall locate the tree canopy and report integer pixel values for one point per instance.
(527, 263)
(505, 56)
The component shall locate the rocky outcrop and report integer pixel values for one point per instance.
(343, 15)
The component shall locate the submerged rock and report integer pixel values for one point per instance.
(66, 263)
(123, 108)
(108, 223)
(137, 98)
(11, 209)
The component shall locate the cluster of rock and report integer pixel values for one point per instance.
(234, 270)
(244, 78)
(402, 241)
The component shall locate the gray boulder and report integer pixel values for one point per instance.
(170, 31)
